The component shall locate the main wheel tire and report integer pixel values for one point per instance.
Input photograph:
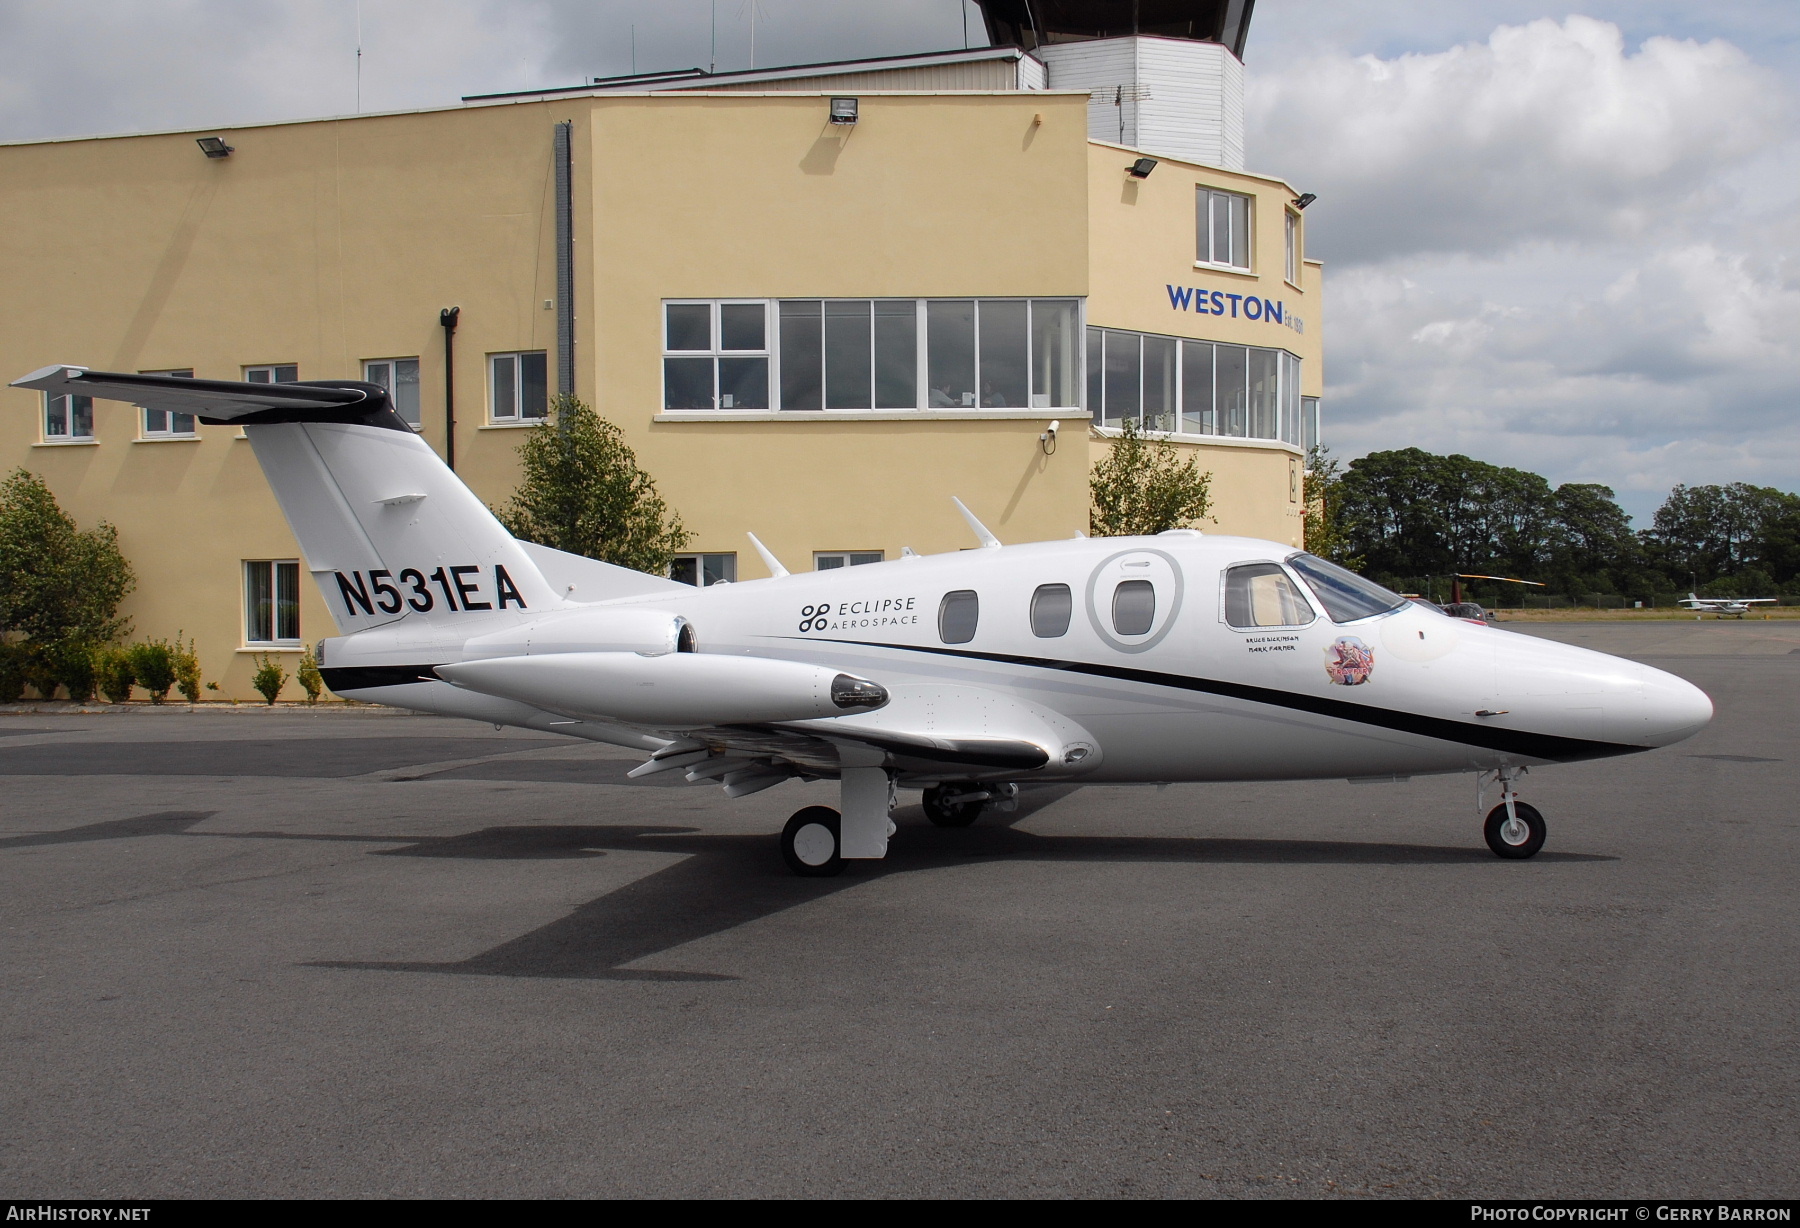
(1518, 839)
(811, 844)
(944, 809)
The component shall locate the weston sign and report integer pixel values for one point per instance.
(1236, 306)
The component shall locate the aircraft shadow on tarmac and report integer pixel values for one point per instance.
(724, 881)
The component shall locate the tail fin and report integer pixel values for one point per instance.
(387, 529)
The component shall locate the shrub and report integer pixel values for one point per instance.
(154, 665)
(72, 664)
(115, 674)
(309, 677)
(269, 678)
(57, 582)
(187, 669)
(12, 672)
(36, 666)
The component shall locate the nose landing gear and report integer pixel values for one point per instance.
(1513, 829)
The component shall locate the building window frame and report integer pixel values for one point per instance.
(67, 419)
(273, 373)
(703, 570)
(1043, 355)
(737, 366)
(831, 560)
(161, 424)
(1225, 229)
(1282, 408)
(271, 603)
(511, 399)
(392, 375)
(1293, 250)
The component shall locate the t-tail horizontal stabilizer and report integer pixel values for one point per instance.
(222, 402)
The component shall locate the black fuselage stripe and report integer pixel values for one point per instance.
(1510, 741)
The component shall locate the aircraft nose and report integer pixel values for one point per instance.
(1674, 708)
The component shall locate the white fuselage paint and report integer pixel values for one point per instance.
(1188, 699)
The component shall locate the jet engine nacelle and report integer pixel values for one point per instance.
(677, 690)
(631, 629)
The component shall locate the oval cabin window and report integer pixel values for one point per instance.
(1262, 595)
(1134, 607)
(957, 615)
(1051, 606)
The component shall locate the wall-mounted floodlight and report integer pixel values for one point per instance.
(213, 147)
(843, 110)
(1303, 201)
(1141, 168)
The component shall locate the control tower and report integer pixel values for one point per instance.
(1167, 76)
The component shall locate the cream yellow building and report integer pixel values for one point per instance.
(817, 331)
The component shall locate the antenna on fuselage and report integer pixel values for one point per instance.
(776, 570)
(988, 540)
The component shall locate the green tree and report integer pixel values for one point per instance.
(1144, 487)
(1327, 529)
(1702, 534)
(582, 491)
(57, 582)
(1593, 548)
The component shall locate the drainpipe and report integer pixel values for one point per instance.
(447, 321)
(565, 259)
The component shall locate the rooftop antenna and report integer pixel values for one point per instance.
(988, 540)
(634, 49)
(712, 65)
(776, 570)
(754, 8)
(359, 57)
(964, 6)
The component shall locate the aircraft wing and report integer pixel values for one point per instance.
(751, 722)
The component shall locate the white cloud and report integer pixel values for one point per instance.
(1550, 250)
(91, 66)
(1545, 130)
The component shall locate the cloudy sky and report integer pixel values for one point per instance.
(1561, 236)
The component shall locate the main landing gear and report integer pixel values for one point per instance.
(817, 840)
(950, 806)
(810, 843)
(1513, 829)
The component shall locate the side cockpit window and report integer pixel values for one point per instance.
(957, 615)
(1262, 595)
(1051, 606)
(1345, 595)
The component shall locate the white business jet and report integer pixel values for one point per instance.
(1130, 660)
(1722, 606)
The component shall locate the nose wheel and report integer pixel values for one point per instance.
(1513, 829)
(1515, 836)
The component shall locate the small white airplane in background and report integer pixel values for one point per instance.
(1138, 660)
(1722, 606)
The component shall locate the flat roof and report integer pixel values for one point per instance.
(700, 79)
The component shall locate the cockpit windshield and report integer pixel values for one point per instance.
(1345, 595)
